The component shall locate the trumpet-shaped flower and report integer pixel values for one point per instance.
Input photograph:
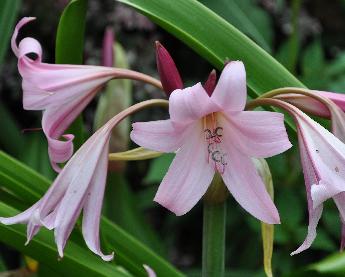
(329, 105)
(61, 91)
(323, 161)
(79, 186)
(212, 133)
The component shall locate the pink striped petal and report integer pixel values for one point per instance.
(190, 104)
(231, 91)
(310, 178)
(326, 152)
(55, 121)
(76, 193)
(93, 206)
(157, 135)
(246, 186)
(62, 91)
(257, 134)
(23, 217)
(188, 176)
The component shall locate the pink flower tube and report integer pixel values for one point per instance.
(61, 91)
(323, 161)
(313, 106)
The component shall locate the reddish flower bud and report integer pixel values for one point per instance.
(108, 51)
(169, 75)
(211, 82)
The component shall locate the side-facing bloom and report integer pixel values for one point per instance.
(213, 134)
(329, 105)
(323, 161)
(79, 186)
(61, 91)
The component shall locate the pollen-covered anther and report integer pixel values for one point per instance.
(213, 136)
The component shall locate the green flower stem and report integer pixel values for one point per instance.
(213, 245)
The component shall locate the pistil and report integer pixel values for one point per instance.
(213, 136)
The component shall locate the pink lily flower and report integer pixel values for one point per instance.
(79, 186)
(61, 91)
(213, 134)
(323, 161)
(330, 105)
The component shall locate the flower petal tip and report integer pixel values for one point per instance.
(273, 219)
(295, 252)
(170, 207)
(149, 270)
(107, 258)
(27, 242)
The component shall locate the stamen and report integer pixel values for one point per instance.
(213, 136)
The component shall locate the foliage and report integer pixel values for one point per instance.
(217, 31)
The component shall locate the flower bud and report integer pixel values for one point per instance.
(169, 75)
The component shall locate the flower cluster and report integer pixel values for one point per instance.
(210, 129)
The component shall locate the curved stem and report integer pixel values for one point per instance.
(213, 244)
(301, 91)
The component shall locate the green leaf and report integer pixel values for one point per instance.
(247, 16)
(36, 155)
(70, 33)
(313, 59)
(121, 207)
(69, 50)
(11, 140)
(76, 259)
(20, 179)
(334, 264)
(27, 184)
(8, 15)
(216, 40)
(158, 168)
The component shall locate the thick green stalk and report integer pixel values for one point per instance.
(213, 245)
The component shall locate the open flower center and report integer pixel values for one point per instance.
(214, 137)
